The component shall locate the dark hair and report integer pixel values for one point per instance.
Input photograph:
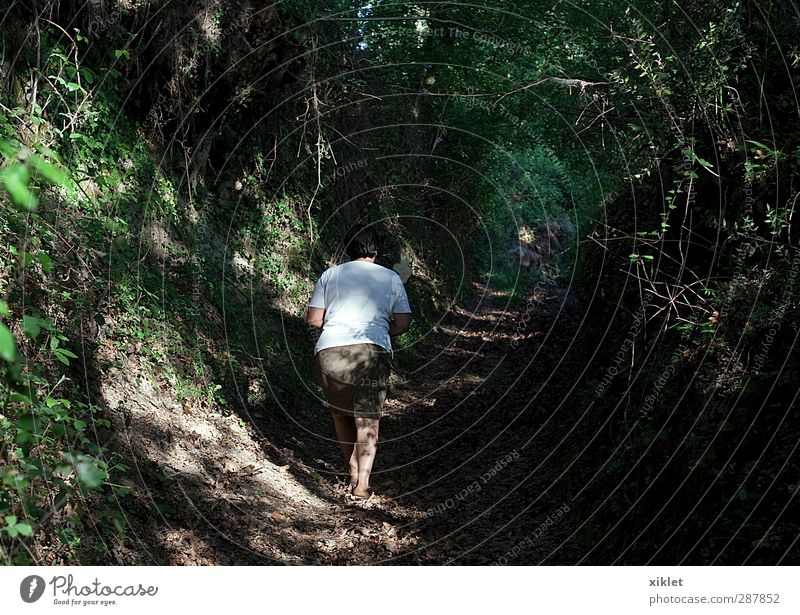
(361, 242)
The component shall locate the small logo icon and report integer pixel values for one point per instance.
(31, 588)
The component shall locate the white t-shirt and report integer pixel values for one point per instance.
(358, 297)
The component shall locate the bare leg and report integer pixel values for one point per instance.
(345, 427)
(365, 449)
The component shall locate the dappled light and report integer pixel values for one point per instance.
(399, 283)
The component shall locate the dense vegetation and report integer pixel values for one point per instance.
(176, 174)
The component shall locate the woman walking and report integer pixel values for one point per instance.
(360, 306)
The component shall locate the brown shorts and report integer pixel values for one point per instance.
(355, 378)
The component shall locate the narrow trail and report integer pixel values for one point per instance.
(471, 427)
(468, 468)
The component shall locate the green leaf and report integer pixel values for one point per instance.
(24, 529)
(4, 311)
(20, 398)
(8, 149)
(46, 152)
(32, 325)
(758, 144)
(72, 86)
(64, 355)
(29, 423)
(11, 520)
(15, 179)
(89, 474)
(8, 346)
(46, 262)
(50, 171)
(164, 509)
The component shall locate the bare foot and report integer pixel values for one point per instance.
(361, 492)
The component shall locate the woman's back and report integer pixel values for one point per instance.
(358, 297)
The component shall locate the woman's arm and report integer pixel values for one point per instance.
(315, 317)
(399, 324)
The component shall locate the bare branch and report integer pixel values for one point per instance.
(570, 83)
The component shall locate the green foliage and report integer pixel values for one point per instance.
(8, 346)
(707, 225)
(190, 226)
(14, 528)
(41, 433)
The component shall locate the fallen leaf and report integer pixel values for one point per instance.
(283, 469)
(278, 517)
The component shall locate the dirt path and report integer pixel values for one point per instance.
(468, 466)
